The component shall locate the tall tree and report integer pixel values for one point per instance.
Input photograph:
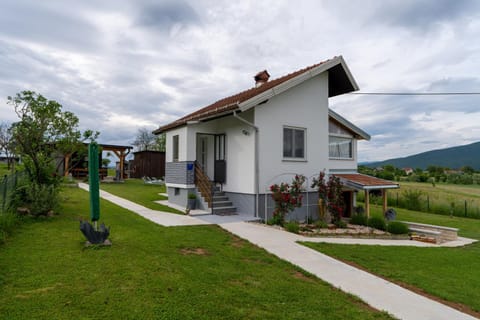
(43, 131)
(147, 141)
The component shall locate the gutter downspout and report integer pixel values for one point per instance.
(256, 173)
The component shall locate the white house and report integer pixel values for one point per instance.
(245, 142)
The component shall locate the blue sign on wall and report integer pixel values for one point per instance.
(189, 166)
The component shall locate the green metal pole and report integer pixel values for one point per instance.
(94, 182)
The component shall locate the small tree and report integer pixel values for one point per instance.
(43, 132)
(331, 193)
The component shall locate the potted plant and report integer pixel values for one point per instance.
(192, 201)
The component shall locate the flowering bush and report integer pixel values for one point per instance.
(331, 193)
(287, 197)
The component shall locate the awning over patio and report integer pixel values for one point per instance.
(358, 181)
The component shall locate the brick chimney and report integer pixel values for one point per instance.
(261, 78)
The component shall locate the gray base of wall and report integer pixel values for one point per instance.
(245, 203)
(181, 198)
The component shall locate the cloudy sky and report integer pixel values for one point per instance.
(124, 65)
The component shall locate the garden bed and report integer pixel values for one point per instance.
(351, 231)
(354, 231)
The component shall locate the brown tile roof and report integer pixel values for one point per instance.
(362, 181)
(231, 103)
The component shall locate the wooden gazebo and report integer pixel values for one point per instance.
(120, 151)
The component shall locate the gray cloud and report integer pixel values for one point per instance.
(166, 14)
(423, 14)
(48, 26)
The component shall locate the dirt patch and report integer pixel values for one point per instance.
(455, 305)
(237, 242)
(194, 251)
(299, 275)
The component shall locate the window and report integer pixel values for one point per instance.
(293, 143)
(340, 147)
(175, 148)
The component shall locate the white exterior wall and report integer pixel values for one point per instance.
(239, 150)
(182, 145)
(304, 106)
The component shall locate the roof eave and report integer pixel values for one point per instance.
(362, 134)
(254, 101)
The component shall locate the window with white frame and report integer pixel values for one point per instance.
(294, 143)
(175, 148)
(340, 147)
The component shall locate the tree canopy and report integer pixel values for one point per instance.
(147, 141)
(43, 131)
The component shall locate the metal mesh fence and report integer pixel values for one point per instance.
(7, 185)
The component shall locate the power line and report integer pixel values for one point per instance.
(416, 93)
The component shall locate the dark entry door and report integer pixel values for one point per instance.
(220, 172)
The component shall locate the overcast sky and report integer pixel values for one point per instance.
(124, 65)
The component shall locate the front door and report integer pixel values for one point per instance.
(202, 153)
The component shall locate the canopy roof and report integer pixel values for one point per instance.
(360, 181)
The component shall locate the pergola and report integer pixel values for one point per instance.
(366, 183)
(120, 151)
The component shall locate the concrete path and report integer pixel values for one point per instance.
(375, 291)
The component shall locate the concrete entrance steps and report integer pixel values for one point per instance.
(221, 205)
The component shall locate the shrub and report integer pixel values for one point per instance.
(40, 199)
(321, 224)
(276, 219)
(359, 219)
(287, 197)
(192, 196)
(292, 226)
(412, 199)
(340, 224)
(397, 227)
(377, 223)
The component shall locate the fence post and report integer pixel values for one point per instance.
(428, 203)
(465, 208)
(4, 196)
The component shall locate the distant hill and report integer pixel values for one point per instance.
(453, 158)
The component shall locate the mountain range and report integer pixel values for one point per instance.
(453, 158)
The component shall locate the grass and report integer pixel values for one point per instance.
(452, 274)
(469, 228)
(139, 192)
(439, 198)
(154, 272)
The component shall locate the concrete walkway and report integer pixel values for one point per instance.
(377, 292)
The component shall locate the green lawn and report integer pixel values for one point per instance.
(154, 272)
(452, 274)
(469, 228)
(139, 192)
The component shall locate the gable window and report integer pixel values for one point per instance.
(294, 143)
(340, 147)
(175, 148)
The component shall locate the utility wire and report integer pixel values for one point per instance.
(416, 93)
